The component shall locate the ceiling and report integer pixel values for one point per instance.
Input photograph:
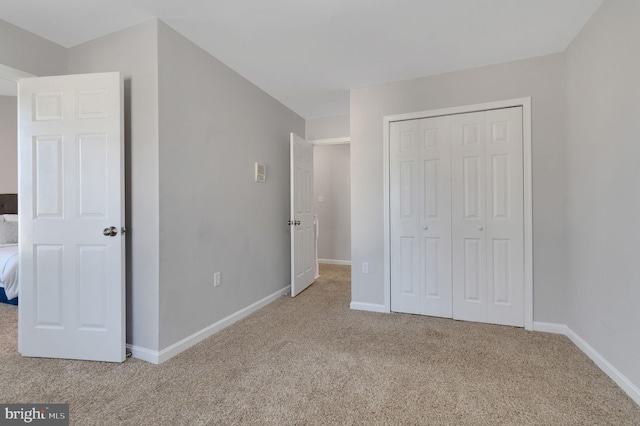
(309, 53)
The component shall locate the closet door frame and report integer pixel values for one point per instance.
(525, 103)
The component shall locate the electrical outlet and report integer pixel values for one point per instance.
(365, 268)
(216, 279)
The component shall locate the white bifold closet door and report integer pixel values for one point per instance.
(420, 171)
(457, 224)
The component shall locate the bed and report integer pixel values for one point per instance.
(9, 249)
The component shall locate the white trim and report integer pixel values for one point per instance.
(386, 264)
(527, 161)
(549, 327)
(13, 74)
(335, 262)
(144, 354)
(371, 307)
(525, 103)
(157, 357)
(621, 380)
(332, 141)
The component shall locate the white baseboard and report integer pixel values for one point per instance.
(632, 390)
(621, 380)
(371, 307)
(335, 262)
(144, 354)
(157, 357)
(550, 327)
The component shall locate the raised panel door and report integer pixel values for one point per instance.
(469, 216)
(302, 221)
(505, 217)
(420, 211)
(72, 285)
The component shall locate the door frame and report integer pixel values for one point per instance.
(13, 74)
(525, 103)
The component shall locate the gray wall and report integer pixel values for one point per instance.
(8, 145)
(541, 78)
(214, 125)
(603, 69)
(134, 53)
(327, 127)
(332, 181)
(28, 52)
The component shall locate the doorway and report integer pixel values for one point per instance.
(332, 200)
(9, 183)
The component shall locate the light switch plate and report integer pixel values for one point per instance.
(261, 173)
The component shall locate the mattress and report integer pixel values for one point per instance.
(9, 270)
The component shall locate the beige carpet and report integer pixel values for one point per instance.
(311, 360)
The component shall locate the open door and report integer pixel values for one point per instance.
(71, 195)
(302, 220)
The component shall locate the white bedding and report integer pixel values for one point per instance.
(9, 269)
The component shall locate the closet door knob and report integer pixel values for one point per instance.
(480, 228)
(426, 227)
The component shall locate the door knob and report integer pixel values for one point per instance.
(112, 231)
(426, 227)
(297, 222)
(480, 228)
(289, 222)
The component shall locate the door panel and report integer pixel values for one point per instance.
(471, 187)
(505, 217)
(92, 295)
(49, 286)
(405, 208)
(473, 284)
(92, 175)
(71, 188)
(435, 257)
(302, 221)
(468, 222)
(408, 259)
(48, 188)
(501, 254)
(421, 208)
(500, 183)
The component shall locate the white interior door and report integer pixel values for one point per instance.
(302, 220)
(469, 217)
(505, 217)
(421, 211)
(71, 194)
(488, 221)
(457, 216)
